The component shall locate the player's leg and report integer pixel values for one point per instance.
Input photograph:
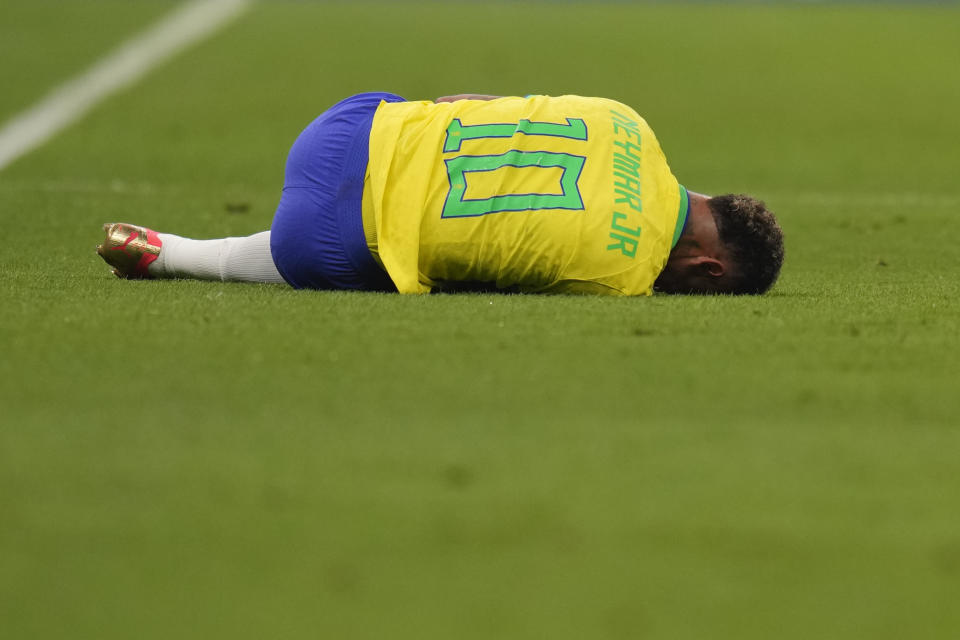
(136, 252)
(239, 259)
(317, 239)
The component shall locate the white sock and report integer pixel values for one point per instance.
(226, 259)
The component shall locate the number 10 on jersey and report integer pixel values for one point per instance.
(457, 205)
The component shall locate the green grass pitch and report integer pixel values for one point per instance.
(202, 460)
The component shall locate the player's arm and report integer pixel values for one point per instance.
(581, 288)
(466, 96)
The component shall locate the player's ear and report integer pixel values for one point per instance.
(710, 267)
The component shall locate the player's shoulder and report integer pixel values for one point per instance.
(574, 98)
(585, 103)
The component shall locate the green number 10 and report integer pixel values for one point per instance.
(457, 206)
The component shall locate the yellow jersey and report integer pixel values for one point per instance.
(541, 194)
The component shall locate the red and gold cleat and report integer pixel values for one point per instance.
(129, 249)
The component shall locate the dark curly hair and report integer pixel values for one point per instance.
(753, 237)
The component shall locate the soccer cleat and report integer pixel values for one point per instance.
(129, 249)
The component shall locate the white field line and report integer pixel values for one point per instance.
(189, 23)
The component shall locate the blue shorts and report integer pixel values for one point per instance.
(317, 237)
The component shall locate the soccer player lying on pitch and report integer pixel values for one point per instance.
(538, 194)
